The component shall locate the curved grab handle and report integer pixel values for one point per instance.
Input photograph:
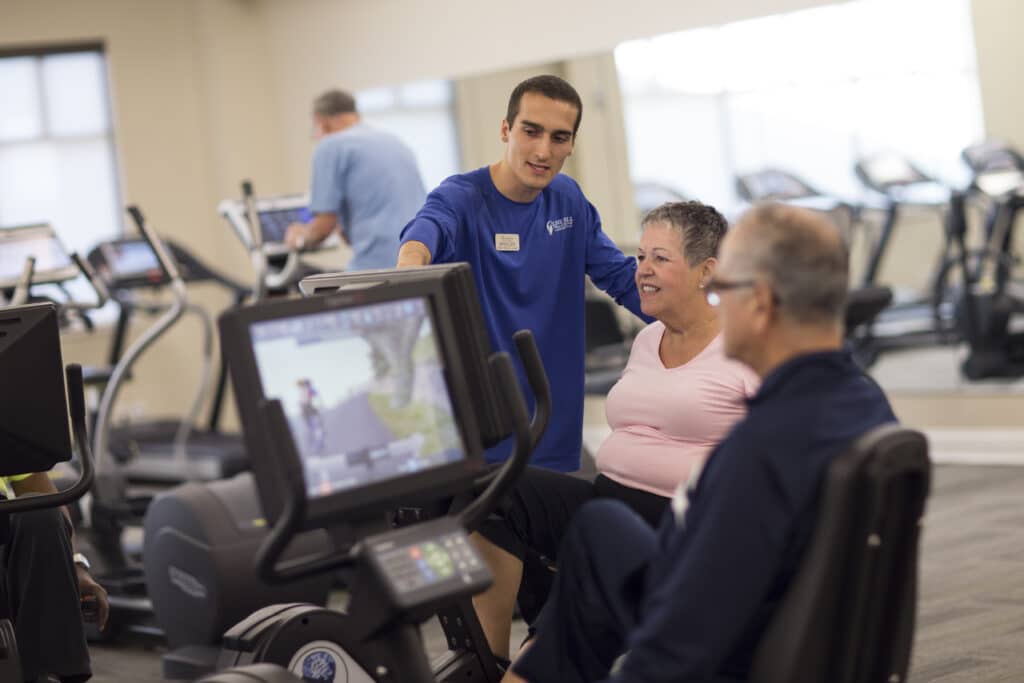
(286, 275)
(97, 284)
(506, 477)
(268, 557)
(163, 257)
(529, 356)
(76, 400)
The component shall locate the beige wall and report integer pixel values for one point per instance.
(1000, 57)
(206, 92)
(360, 43)
(193, 113)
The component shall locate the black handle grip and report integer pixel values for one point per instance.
(506, 477)
(529, 355)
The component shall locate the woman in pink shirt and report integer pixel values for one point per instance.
(676, 399)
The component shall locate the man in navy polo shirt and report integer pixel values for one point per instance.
(531, 237)
(690, 601)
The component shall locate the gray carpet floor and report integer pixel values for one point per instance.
(971, 611)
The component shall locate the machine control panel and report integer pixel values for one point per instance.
(275, 215)
(428, 561)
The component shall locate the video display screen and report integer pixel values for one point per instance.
(274, 222)
(130, 259)
(17, 245)
(363, 390)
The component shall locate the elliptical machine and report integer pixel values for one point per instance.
(402, 576)
(986, 304)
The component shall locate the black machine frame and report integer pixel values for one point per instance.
(266, 457)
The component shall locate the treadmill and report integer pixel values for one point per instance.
(997, 184)
(913, 319)
(162, 451)
(33, 256)
(279, 267)
(778, 185)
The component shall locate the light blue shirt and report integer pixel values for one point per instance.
(369, 178)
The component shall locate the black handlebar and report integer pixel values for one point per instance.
(508, 474)
(97, 284)
(76, 400)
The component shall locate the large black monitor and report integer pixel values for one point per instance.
(456, 284)
(34, 428)
(40, 242)
(374, 393)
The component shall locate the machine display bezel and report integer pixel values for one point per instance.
(268, 466)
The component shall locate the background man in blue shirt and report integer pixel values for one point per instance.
(689, 602)
(531, 238)
(365, 182)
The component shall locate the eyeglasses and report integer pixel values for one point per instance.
(715, 287)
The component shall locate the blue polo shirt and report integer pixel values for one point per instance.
(725, 562)
(369, 179)
(529, 262)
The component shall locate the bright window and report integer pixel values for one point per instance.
(57, 162)
(421, 114)
(810, 92)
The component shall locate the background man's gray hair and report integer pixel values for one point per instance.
(700, 227)
(802, 255)
(334, 102)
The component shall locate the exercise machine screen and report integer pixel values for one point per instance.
(130, 259)
(363, 390)
(274, 222)
(40, 241)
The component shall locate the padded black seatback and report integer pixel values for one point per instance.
(863, 305)
(849, 615)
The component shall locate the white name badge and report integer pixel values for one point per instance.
(504, 241)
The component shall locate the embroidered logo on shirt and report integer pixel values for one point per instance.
(559, 225)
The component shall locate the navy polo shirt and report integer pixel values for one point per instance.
(725, 559)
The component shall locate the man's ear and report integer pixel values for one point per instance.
(505, 129)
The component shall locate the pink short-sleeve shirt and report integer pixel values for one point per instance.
(666, 420)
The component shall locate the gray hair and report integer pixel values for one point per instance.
(803, 256)
(700, 227)
(334, 102)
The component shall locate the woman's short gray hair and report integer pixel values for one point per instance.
(803, 256)
(700, 227)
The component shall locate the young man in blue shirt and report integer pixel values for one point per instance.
(531, 237)
(365, 183)
(689, 602)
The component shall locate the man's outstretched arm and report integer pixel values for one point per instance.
(413, 253)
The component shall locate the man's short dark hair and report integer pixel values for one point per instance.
(549, 86)
(334, 102)
(701, 227)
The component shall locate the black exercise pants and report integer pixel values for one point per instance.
(534, 518)
(597, 593)
(40, 595)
